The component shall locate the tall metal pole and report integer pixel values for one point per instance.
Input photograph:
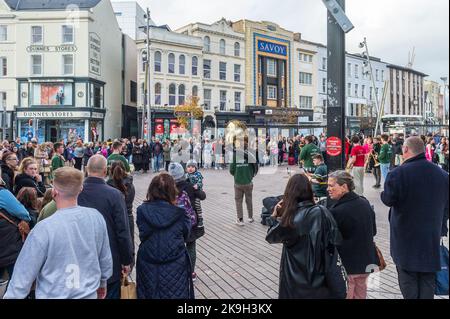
(149, 110)
(336, 88)
(444, 117)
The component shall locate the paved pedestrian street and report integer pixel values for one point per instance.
(236, 262)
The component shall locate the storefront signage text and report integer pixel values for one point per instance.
(52, 114)
(94, 54)
(273, 48)
(51, 48)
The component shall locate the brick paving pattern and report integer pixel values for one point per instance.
(236, 262)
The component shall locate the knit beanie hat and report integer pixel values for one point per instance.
(176, 171)
(191, 163)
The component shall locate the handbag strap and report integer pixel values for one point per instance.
(8, 219)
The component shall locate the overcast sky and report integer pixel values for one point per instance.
(392, 28)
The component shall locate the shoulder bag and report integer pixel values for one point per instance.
(22, 226)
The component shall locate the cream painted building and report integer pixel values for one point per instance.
(432, 91)
(64, 67)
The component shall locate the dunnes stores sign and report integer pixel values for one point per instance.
(272, 48)
(52, 114)
(51, 48)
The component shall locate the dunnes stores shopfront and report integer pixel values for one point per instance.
(60, 109)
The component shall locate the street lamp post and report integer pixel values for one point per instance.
(444, 116)
(149, 110)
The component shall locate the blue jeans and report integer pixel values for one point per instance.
(385, 170)
(156, 162)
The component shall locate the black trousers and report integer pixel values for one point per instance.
(377, 173)
(416, 285)
(78, 163)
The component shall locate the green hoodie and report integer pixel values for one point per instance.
(307, 152)
(385, 154)
(243, 172)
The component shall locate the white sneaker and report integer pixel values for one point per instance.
(251, 220)
(240, 222)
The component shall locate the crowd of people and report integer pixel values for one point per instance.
(61, 203)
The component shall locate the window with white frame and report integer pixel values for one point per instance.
(324, 85)
(182, 64)
(171, 65)
(272, 68)
(324, 63)
(349, 70)
(172, 95)
(306, 102)
(158, 94)
(207, 99)
(223, 71)
(3, 100)
(207, 44)
(195, 91)
(237, 101)
(349, 89)
(356, 90)
(207, 69)
(223, 100)
(237, 73)
(3, 66)
(377, 75)
(308, 58)
(36, 64)
(3, 33)
(305, 78)
(382, 75)
(36, 35)
(158, 59)
(237, 49)
(271, 92)
(356, 71)
(67, 34)
(223, 45)
(194, 65)
(363, 91)
(181, 94)
(67, 64)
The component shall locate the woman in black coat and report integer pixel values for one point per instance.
(29, 177)
(137, 156)
(146, 156)
(163, 268)
(356, 221)
(307, 232)
(120, 180)
(8, 167)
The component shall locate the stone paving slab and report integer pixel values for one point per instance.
(236, 262)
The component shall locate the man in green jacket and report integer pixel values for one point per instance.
(117, 156)
(385, 156)
(58, 160)
(307, 153)
(244, 168)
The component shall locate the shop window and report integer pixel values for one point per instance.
(52, 93)
(97, 97)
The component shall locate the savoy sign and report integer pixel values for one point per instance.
(273, 48)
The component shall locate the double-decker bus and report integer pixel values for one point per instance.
(403, 124)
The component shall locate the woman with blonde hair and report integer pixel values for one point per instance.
(29, 177)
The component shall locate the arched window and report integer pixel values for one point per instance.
(181, 94)
(207, 44)
(157, 61)
(237, 49)
(194, 65)
(172, 95)
(222, 46)
(171, 63)
(195, 91)
(158, 94)
(182, 64)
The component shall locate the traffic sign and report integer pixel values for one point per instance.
(334, 146)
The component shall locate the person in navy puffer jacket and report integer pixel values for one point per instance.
(163, 269)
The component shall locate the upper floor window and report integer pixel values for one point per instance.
(182, 64)
(324, 63)
(3, 67)
(356, 71)
(223, 71)
(349, 70)
(377, 75)
(172, 95)
(237, 101)
(194, 65)
(207, 69)
(222, 46)
(237, 49)
(67, 34)
(36, 35)
(306, 102)
(195, 91)
(68, 64)
(271, 92)
(158, 94)
(237, 73)
(133, 91)
(207, 44)
(158, 59)
(36, 64)
(3, 33)
(271, 68)
(305, 78)
(181, 94)
(171, 63)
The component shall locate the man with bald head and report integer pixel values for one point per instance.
(111, 204)
(417, 193)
